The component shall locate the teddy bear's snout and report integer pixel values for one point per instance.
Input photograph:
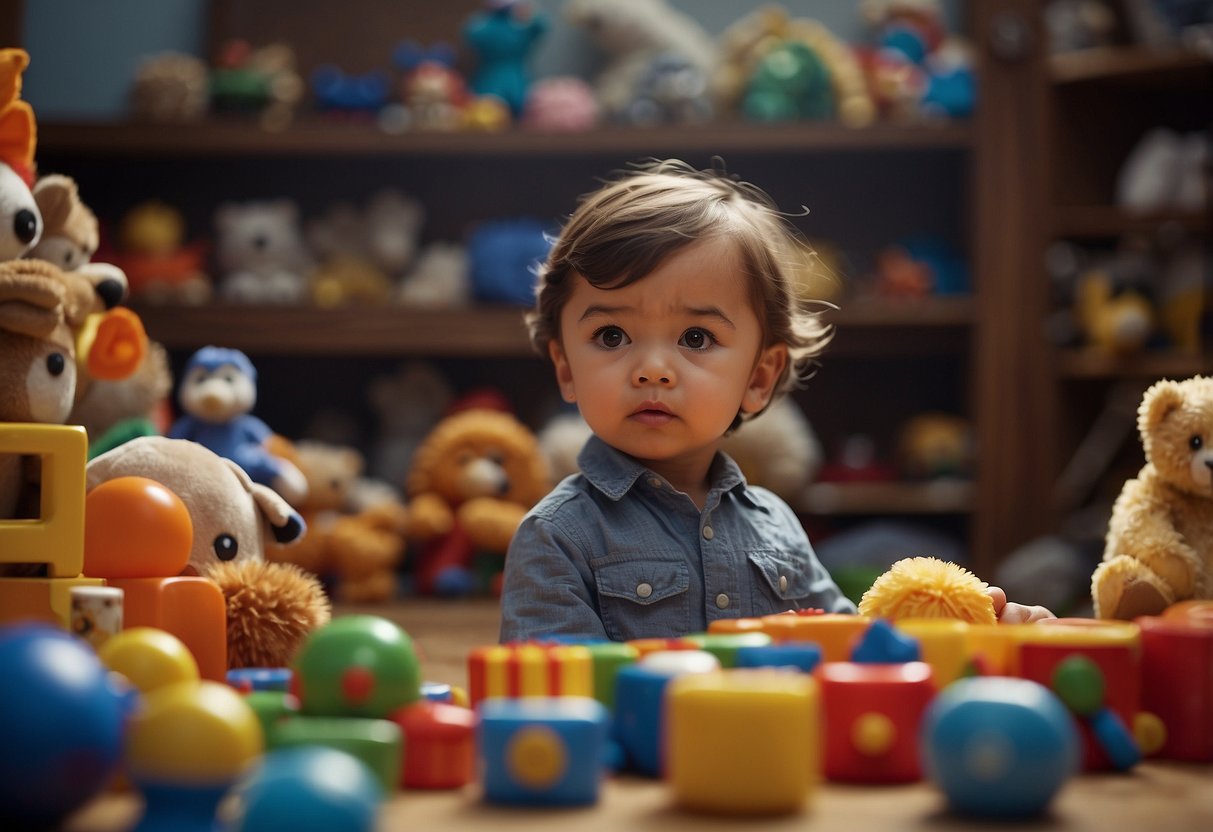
(483, 478)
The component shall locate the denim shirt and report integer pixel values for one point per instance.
(616, 553)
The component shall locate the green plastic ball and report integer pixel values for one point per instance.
(357, 666)
(1079, 683)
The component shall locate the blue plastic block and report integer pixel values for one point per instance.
(802, 655)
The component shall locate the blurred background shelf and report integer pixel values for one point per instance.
(935, 497)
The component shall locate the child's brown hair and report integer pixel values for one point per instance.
(623, 231)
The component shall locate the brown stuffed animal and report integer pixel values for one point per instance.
(472, 480)
(359, 547)
(271, 607)
(1159, 546)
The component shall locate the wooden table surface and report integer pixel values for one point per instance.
(1155, 797)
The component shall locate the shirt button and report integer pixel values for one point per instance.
(722, 601)
(644, 590)
(708, 534)
(655, 482)
(783, 583)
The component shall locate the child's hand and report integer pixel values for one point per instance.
(1008, 612)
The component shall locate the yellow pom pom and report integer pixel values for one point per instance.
(928, 588)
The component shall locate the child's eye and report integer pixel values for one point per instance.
(610, 337)
(697, 339)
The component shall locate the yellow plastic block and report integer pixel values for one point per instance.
(743, 741)
(40, 599)
(56, 538)
(944, 644)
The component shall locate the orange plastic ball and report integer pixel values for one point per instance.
(134, 527)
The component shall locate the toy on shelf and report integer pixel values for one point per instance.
(934, 445)
(269, 608)
(471, 481)
(1159, 545)
(1165, 171)
(159, 264)
(1079, 24)
(407, 404)
(502, 37)
(261, 253)
(63, 725)
(170, 88)
(432, 92)
(502, 256)
(925, 587)
(440, 278)
(349, 95)
(561, 104)
(998, 747)
(780, 451)
(262, 81)
(671, 91)
(217, 393)
(632, 34)
(364, 252)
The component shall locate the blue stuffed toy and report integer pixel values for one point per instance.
(216, 395)
(502, 37)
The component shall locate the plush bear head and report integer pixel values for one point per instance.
(259, 237)
(1176, 425)
(480, 453)
(332, 472)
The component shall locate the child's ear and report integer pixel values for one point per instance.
(564, 375)
(763, 379)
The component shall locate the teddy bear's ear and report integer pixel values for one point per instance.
(55, 195)
(286, 524)
(1158, 402)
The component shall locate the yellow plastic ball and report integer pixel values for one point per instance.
(149, 658)
(194, 733)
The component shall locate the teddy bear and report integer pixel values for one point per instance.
(1159, 545)
(217, 393)
(472, 479)
(161, 266)
(261, 252)
(359, 546)
(271, 607)
(117, 411)
(632, 34)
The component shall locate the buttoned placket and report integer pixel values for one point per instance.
(721, 597)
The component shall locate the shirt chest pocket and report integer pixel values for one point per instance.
(643, 598)
(782, 581)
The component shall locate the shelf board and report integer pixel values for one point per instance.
(1126, 64)
(935, 497)
(1110, 221)
(319, 138)
(474, 332)
(1090, 364)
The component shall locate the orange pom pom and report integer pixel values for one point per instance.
(928, 588)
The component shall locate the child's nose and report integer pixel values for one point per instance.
(652, 369)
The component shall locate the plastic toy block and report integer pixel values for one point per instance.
(272, 707)
(998, 747)
(639, 702)
(247, 679)
(835, 632)
(607, 657)
(737, 625)
(994, 648)
(882, 644)
(724, 646)
(644, 646)
(542, 751)
(192, 609)
(743, 741)
(874, 712)
(378, 743)
(944, 645)
(802, 655)
(529, 669)
(1200, 609)
(39, 599)
(1113, 647)
(56, 538)
(308, 790)
(357, 666)
(439, 745)
(1177, 683)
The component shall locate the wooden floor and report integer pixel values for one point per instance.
(444, 631)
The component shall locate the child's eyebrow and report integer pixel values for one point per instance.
(690, 311)
(601, 309)
(709, 312)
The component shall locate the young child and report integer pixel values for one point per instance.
(667, 309)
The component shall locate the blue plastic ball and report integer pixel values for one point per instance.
(61, 724)
(998, 747)
(307, 789)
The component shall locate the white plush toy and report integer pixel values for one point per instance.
(632, 33)
(261, 253)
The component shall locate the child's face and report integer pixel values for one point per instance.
(660, 368)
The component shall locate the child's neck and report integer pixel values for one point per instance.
(690, 476)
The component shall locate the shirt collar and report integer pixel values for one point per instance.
(614, 473)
